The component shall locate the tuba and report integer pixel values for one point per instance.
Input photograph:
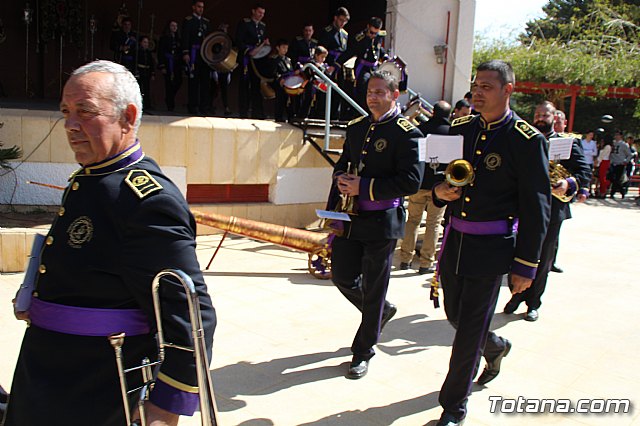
(149, 370)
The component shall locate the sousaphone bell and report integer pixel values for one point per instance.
(218, 52)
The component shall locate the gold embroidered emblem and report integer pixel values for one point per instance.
(380, 145)
(461, 120)
(356, 120)
(405, 124)
(492, 161)
(142, 183)
(526, 129)
(80, 231)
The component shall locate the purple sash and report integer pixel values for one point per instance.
(367, 206)
(87, 321)
(493, 227)
(361, 64)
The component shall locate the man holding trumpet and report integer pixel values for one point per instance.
(509, 196)
(121, 222)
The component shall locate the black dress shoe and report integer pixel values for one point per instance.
(557, 269)
(492, 369)
(427, 270)
(404, 266)
(531, 315)
(387, 314)
(449, 420)
(511, 306)
(357, 369)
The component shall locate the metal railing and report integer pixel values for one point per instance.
(331, 85)
(423, 101)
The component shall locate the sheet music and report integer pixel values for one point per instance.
(326, 214)
(441, 148)
(560, 148)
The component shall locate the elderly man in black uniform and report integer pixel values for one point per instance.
(251, 37)
(379, 165)
(195, 28)
(335, 39)
(121, 222)
(366, 46)
(509, 195)
(564, 190)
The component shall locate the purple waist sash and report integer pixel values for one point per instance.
(367, 206)
(361, 64)
(87, 321)
(194, 52)
(493, 227)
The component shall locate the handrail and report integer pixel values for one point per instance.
(424, 102)
(327, 113)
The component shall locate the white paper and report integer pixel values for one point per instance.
(422, 149)
(443, 148)
(560, 148)
(326, 214)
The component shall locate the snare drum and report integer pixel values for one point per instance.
(319, 84)
(397, 68)
(262, 52)
(294, 85)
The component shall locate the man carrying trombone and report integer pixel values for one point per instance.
(121, 222)
(508, 195)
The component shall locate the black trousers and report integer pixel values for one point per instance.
(469, 303)
(172, 83)
(199, 89)
(361, 270)
(249, 94)
(533, 295)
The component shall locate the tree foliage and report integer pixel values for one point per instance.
(577, 42)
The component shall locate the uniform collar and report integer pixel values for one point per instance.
(498, 123)
(395, 110)
(129, 156)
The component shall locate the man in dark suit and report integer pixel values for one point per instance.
(508, 195)
(564, 190)
(195, 28)
(120, 223)
(379, 165)
(251, 37)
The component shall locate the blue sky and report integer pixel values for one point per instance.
(505, 18)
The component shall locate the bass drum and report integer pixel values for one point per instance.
(217, 51)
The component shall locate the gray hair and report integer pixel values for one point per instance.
(124, 89)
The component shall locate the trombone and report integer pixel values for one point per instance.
(149, 370)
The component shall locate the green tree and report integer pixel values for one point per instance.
(585, 43)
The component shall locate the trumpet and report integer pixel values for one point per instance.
(348, 203)
(459, 173)
(149, 370)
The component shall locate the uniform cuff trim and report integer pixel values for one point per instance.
(174, 400)
(176, 384)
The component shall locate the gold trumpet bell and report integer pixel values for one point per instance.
(459, 173)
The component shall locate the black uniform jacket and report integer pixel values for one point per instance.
(249, 34)
(363, 48)
(511, 164)
(391, 170)
(579, 169)
(194, 30)
(281, 66)
(170, 54)
(301, 51)
(118, 226)
(334, 40)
